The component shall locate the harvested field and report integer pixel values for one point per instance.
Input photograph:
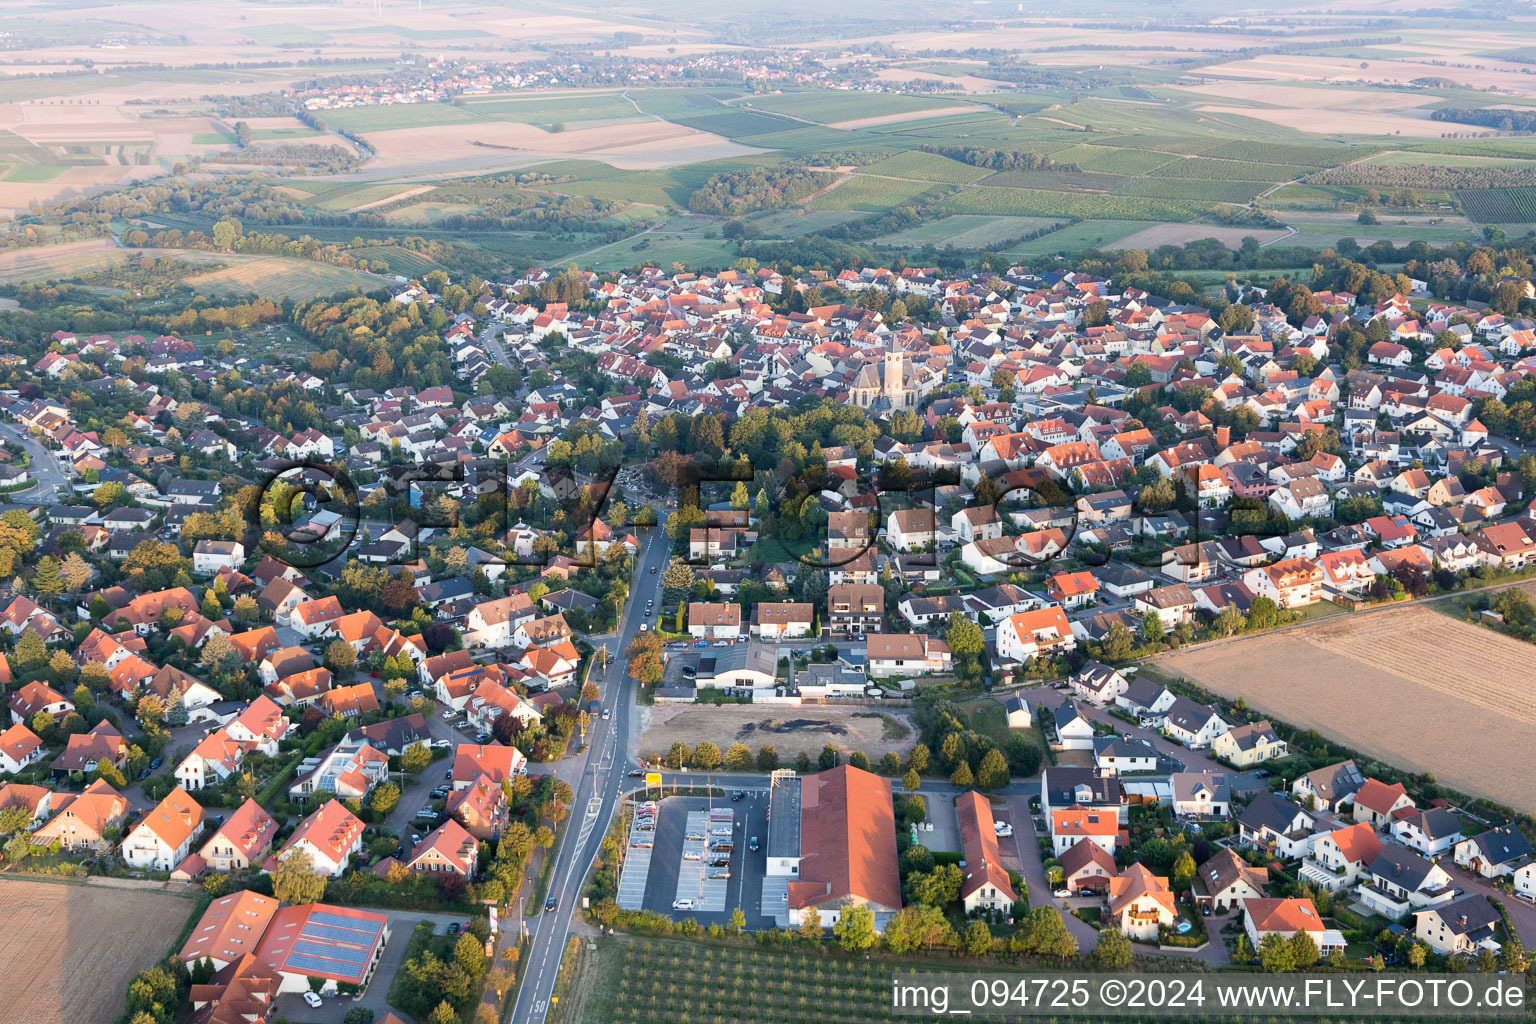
(910, 115)
(276, 276)
(789, 728)
(1408, 685)
(495, 143)
(69, 951)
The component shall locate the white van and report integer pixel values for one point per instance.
(684, 904)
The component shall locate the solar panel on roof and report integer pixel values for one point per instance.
(324, 931)
(339, 954)
(314, 965)
(355, 923)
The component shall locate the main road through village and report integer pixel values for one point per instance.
(604, 765)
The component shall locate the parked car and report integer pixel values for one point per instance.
(682, 904)
(1062, 894)
(313, 999)
(702, 643)
(454, 929)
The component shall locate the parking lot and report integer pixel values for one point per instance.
(670, 877)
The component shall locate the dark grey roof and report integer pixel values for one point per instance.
(1468, 914)
(1272, 811)
(1123, 746)
(1401, 867)
(1503, 845)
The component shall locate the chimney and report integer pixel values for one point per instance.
(1461, 923)
(1223, 436)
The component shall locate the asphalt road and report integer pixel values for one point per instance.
(603, 768)
(46, 469)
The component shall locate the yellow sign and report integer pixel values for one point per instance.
(652, 779)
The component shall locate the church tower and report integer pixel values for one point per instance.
(895, 378)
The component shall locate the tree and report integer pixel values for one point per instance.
(810, 919)
(295, 880)
(767, 757)
(1303, 950)
(1417, 954)
(1513, 954)
(1487, 961)
(1118, 643)
(340, 655)
(443, 1014)
(30, 649)
(46, 578)
(917, 758)
(1048, 935)
(1113, 953)
(416, 758)
(961, 777)
(992, 773)
(1151, 629)
(965, 638)
(245, 608)
(738, 758)
(977, 940)
(738, 922)
(857, 759)
(76, 572)
(1183, 872)
(911, 782)
(1263, 613)
(855, 929)
(469, 953)
(385, 798)
(706, 756)
(1275, 954)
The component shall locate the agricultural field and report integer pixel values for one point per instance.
(871, 194)
(967, 231)
(636, 980)
(1090, 234)
(281, 277)
(1375, 681)
(838, 106)
(69, 951)
(925, 167)
(1499, 205)
(789, 728)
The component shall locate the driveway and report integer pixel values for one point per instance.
(1025, 853)
(401, 924)
(1521, 914)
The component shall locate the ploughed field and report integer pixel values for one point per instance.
(1409, 686)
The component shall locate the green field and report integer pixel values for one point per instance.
(34, 172)
(1087, 235)
(546, 110)
(799, 221)
(967, 231)
(874, 194)
(1499, 205)
(281, 277)
(397, 115)
(257, 135)
(1410, 158)
(286, 35)
(630, 980)
(1025, 202)
(400, 259)
(925, 167)
(833, 106)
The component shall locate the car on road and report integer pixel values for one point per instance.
(156, 763)
(607, 714)
(636, 774)
(702, 643)
(549, 904)
(144, 774)
(752, 844)
(441, 744)
(313, 999)
(738, 796)
(653, 570)
(448, 774)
